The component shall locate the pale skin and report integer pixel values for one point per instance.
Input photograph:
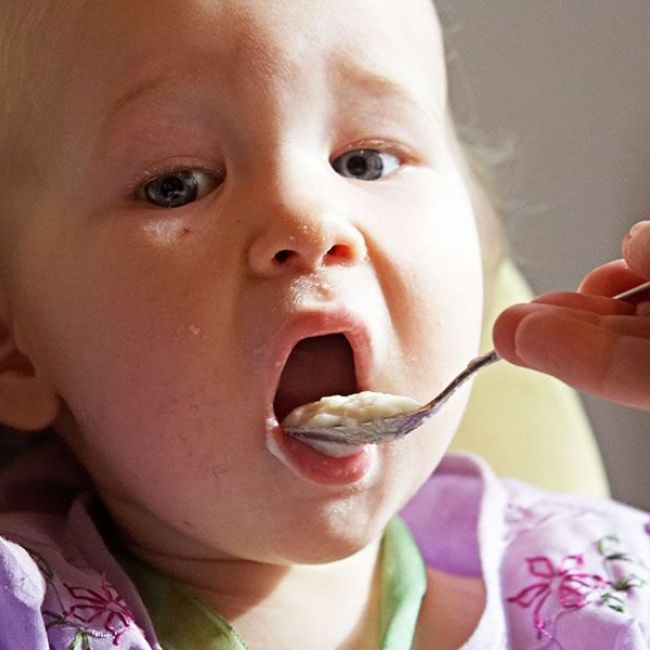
(598, 345)
(152, 338)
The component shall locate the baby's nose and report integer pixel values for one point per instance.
(303, 241)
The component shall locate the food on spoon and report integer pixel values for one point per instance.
(336, 410)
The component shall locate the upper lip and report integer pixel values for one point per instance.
(322, 322)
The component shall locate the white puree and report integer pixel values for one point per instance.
(334, 410)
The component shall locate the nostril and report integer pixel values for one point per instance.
(282, 256)
(337, 253)
(340, 252)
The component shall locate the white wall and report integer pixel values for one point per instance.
(570, 80)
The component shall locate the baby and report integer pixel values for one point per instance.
(214, 216)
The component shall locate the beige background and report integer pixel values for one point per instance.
(568, 81)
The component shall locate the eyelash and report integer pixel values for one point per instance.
(161, 171)
(405, 155)
(136, 189)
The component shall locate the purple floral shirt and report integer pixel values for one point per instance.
(560, 571)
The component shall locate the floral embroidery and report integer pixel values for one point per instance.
(82, 637)
(106, 604)
(620, 583)
(571, 587)
(84, 609)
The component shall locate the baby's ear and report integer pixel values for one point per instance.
(27, 400)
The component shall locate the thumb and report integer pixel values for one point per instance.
(636, 248)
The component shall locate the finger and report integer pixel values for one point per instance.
(507, 324)
(595, 359)
(591, 303)
(636, 248)
(505, 328)
(610, 279)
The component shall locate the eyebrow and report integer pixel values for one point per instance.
(133, 94)
(152, 85)
(368, 81)
(384, 87)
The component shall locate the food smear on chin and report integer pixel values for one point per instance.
(337, 410)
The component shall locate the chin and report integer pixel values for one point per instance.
(338, 529)
(331, 548)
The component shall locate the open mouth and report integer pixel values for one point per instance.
(317, 366)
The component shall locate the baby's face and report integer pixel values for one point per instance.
(213, 183)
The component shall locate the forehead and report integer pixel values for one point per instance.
(248, 38)
(85, 60)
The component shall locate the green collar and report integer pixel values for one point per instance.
(182, 620)
(403, 585)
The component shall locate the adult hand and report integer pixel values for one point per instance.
(598, 345)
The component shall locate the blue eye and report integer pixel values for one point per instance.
(178, 188)
(366, 164)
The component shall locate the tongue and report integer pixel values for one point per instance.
(318, 366)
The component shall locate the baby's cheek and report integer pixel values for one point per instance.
(120, 350)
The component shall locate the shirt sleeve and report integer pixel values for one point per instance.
(22, 590)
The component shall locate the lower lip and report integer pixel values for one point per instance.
(319, 468)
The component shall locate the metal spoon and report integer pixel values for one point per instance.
(385, 429)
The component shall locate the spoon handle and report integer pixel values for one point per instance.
(473, 366)
(640, 288)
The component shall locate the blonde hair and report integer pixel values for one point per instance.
(480, 157)
(482, 184)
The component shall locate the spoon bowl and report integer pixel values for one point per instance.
(385, 429)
